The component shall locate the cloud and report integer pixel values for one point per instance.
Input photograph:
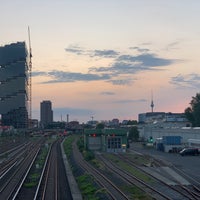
(172, 46)
(186, 81)
(124, 81)
(128, 64)
(107, 93)
(146, 59)
(106, 53)
(120, 71)
(62, 76)
(146, 43)
(130, 101)
(38, 73)
(75, 49)
(141, 50)
(118, 68)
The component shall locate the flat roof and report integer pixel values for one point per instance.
(105, 131)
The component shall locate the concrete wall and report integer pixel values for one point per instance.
(186, 134)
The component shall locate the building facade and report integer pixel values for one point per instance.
(108, 140)
(46, 113)
(14, 85)
(150, 117)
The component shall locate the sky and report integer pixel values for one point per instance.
(107, 59)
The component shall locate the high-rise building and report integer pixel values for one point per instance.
(14, 85)
(46, 113)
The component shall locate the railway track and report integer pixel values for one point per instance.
(12, 157)
(10, 143)
(133, 180)
(53, 184)
(12, 179)
(112, 190)
(190, 192)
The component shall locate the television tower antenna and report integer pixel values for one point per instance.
(152, 104)
(30, 76)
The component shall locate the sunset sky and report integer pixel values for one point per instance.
(106, 58)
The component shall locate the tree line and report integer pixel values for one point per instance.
(192, 112)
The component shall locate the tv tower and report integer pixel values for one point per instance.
(152, 104)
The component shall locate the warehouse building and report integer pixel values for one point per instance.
(14, 84)
(108, 140)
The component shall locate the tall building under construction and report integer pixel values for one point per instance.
(14, 85)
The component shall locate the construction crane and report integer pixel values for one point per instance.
(30, 79)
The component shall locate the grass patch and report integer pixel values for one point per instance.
(129, 168)
(80, 144)
(42, 157)
(140, 160)
(32, 180)
(30, 184)
(33, 177)
(67, 145)
(88, 188)
(136, 193)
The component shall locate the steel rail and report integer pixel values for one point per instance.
(167, 185)
(42, 174)
(126, 175)
(107, 184)
(25, 176)
(19, 173)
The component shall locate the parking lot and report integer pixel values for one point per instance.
(188, 164)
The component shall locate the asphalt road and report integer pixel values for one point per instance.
(188, 164)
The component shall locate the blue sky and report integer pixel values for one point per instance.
(104, 58)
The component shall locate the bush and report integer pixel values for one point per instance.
(88, 155)
(80, 144)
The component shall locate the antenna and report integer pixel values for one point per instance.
(30, 77)
(152, 104)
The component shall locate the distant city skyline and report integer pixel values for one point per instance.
(103, 58)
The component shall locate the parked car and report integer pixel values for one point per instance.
(189, 151)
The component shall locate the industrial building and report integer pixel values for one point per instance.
(46, 113)
(14, 85)
(150, 117)
(108, 140)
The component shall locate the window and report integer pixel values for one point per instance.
(114, 143)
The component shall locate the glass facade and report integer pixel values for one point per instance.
(114, 143)
(14, 85)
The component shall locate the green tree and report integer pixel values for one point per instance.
(132, 122)
(100, 126)
(133, 134)
(192, 113)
